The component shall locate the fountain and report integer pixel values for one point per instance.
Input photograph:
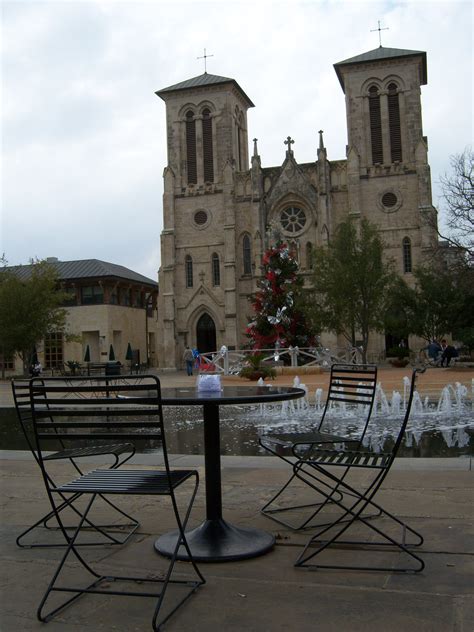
(451, 417)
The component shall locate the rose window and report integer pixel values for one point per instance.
(293, 219)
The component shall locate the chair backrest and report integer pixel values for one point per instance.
(96, 409)
(399, 438)
(354, 385)
(21, 398)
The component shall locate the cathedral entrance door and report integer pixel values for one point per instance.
(206, 334)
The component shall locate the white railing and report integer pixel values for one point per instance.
(231, 361)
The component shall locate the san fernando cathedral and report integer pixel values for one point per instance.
(219, 201)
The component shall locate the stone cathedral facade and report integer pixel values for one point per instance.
(220, 202)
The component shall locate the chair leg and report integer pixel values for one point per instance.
(271, 513)
(106, 530)
(351, 515)
(98, 579)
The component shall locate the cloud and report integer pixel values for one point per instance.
(84, 135)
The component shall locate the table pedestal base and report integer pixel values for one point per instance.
(218, 541)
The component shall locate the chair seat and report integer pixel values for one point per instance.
(293, 438)
(126, 482)
(350, 458)
(93, 450)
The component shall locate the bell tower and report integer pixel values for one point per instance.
(207, 143)
(388, 175)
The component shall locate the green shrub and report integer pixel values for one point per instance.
(398, 352)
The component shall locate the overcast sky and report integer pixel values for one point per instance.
(83, 134)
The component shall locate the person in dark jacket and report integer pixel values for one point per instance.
(449, 352)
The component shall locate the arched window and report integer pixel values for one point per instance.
(406, 245)
(208, 155)
(394, 123)
(191, 147)
(293, 247)
(375, 125)
(247, 254)
(240, 140)
(216, 270)
(309, 255)
(188, 266)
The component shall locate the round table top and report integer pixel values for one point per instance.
(179, 396)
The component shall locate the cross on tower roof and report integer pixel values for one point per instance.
(205, 56)
(379, 29)
(289, 141)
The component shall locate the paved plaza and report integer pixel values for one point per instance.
(267, 593)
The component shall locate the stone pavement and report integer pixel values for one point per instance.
(266, 593)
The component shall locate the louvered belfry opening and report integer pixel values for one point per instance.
(394, 123)
(191, 147)
(375, 125)
(208, 155)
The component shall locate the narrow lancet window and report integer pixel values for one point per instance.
(216, 270)
(406, 245)
(247, 255)
(188, 266)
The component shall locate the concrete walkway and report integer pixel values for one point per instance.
(266, 593)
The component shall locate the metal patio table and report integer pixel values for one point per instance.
(215, 539)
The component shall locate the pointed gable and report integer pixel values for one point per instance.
(291, 180)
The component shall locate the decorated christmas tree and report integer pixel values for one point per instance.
(278, 318)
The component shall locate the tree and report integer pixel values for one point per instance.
(352, 283)
(29, 309)
(458, 194)
(440, 303)
(277, 305)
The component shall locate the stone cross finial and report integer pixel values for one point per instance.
(321, 142)
(255, 150)
(289, 141)
(379, 29)
(205, 56)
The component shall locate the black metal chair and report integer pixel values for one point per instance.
(350, 385)
(330, 471)
(94, 409)
(114, 533)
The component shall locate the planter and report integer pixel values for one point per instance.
(255, 375)
(399, 362)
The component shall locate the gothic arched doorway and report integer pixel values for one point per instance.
(206, 334)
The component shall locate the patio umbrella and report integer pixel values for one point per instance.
(111, 354)
(129, 354)
(87, 355)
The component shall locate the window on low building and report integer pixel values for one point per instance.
(53, 350)
(92, 295)
(70, 296)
